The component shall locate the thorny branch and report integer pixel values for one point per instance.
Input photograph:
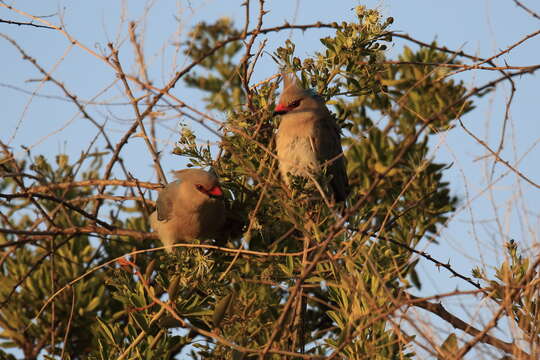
(439, 310)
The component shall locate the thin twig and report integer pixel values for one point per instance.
(516, 171)
(457, 66)
(499, 54)
(93, 182)
(25, 24)
(531, 12)
(68, 328)
(66, 204)
(138, 115)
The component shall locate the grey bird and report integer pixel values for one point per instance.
(189, 208)
(308, 139)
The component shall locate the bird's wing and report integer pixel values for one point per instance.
(331, 153)
(164, 205)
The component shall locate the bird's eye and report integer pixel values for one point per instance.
(199, 187)
(295, 103)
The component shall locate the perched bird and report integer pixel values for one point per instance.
(189, 208)
(308, 138)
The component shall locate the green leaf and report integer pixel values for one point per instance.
(449, 347)
(220, 309)
(106, 330)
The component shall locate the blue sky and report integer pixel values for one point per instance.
(483, 27)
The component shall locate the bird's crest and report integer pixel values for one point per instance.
(178, 174)
(195, 174)
(291, 87)
(290, 82)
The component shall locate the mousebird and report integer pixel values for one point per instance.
(189, 208)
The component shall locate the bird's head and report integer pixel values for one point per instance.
(295, 99)
(199, 185)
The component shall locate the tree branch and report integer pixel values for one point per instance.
(25, 24)
(440, 311)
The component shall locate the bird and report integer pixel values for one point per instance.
(308, 138)
(189, 208)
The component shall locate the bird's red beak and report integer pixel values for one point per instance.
(281, 109)
(216, 191)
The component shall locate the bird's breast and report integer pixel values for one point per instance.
(296, 154)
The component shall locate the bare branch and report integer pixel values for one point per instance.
(483, 143)
(25, 24)
(139, 117)
(532, 13)
(439, 310)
